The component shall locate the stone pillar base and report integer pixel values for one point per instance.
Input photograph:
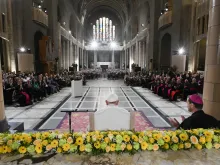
(4, 127)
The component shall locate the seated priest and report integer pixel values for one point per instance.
(198, 119)
(112, 117)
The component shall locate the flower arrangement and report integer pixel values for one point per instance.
(108, 141)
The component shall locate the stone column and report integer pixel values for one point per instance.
(77, 57)
(125, 56)
(136, 53)
(146, 54)
(95, 59)
(68, 55)
(113, 59)
(71, 54)
(3, 120)
(82, 52)
(139, 53)
(212, 66)
(87, 59)
(120, 65)
(131, 58)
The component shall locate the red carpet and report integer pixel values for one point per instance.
(80, 122)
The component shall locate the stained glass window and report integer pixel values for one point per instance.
(113, 33)
(104, 30)
(97, 30)
(94, 32)
(110, 30)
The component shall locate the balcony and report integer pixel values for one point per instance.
(40, 17)
(165, 19)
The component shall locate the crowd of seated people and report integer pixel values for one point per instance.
(169, 86)
(115, 74)
(24, 89)
(90, 74)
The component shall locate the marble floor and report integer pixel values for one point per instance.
(47, 114)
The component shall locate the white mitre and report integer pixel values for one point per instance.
(112, 98)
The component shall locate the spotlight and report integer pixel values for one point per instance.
(39, 6)
(113, 44)
(70, 32)
(166, 9)
(94, 44)
(181, 51)
(64, 23)
(22, 49)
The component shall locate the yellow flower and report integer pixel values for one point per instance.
(144, 145)
(194, 140)
(157, 136)
(5, 149)
(175, 139)
(166, 146)
(28, 139)
(208, 139)
(54, 143)
(181, 146)
(151, 140)
(184, 137)
(187, 145)
(97, 145)
(70, 140)
(217, 146)
(155, 147)
(79, 141)
(66, 147)
(49, 147)
(202, 140)
(141, 134)
(1, 149)
(9, 149)
(45, 143)
(198, 146)
(166, 138)
(107, 140)
(113, 147)
(126, 138)
(108, 149)
(135, 138)
(38, 149)
(82, 147)
(129, 147)
(59, 150)
(208, 134)
(22, 150)
(195, 131)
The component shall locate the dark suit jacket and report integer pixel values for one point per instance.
(199, 120)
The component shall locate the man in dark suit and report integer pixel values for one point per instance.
(198, 119)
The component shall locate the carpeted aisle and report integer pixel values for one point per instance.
(80, 122)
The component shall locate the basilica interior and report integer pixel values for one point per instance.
(136, 49)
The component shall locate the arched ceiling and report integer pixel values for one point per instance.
(119, 7)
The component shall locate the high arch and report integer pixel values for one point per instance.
(165, 52)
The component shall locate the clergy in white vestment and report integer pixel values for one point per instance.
(113, 117)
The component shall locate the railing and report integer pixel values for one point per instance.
(165, 19)
(40, 16)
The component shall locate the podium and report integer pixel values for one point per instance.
(76, 88)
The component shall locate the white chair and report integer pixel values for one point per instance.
(112, 119)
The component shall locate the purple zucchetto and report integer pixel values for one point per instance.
(196, 99)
